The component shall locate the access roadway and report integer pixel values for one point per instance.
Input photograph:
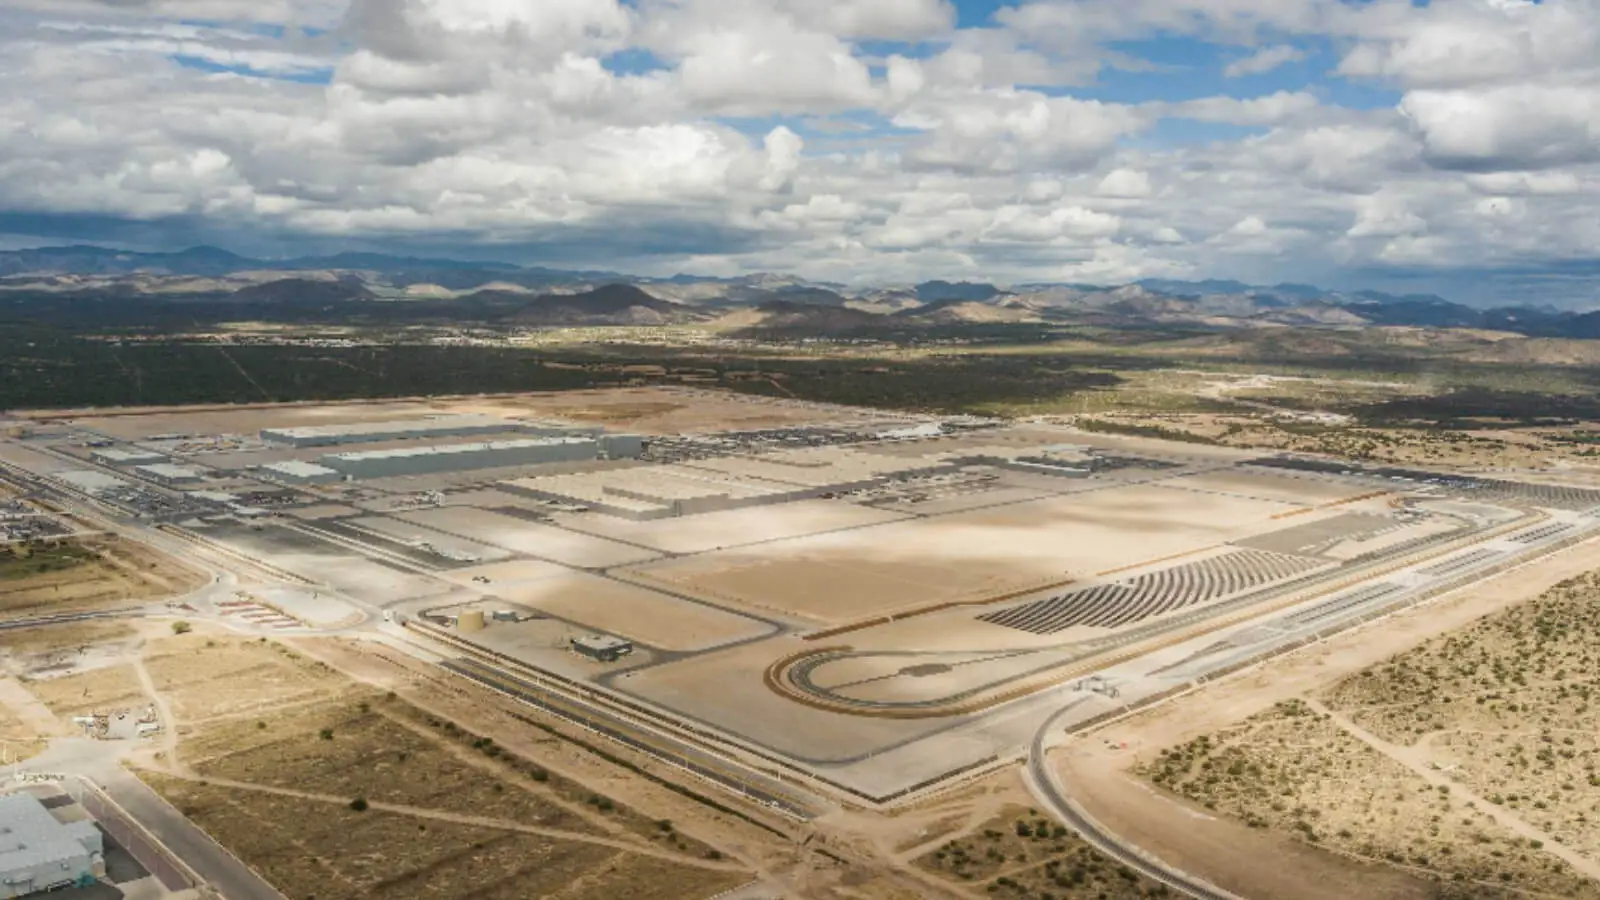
(1047, 789)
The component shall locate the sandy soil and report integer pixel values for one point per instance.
(530, 538)
(284, 742)
(726, 689)
(1293, 770)
(731, 528)
(848, 576)
(637, 613)
(664, 410)
(1275, 488)
(95, 691)
(1505, 707)
(1097, 766)
(409, 533)
(122, 574)
(205, 677)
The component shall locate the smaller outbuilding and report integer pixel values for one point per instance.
(117, 456)
(603, 647)
(298, 472)
(169, 474)
(39, 853)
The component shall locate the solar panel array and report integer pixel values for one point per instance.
(1132, 600)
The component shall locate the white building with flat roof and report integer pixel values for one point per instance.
(399, 430)
(167, 473)
(436, 458)
(90, 481)
(295, 471)
(39, 853)
(119, 456)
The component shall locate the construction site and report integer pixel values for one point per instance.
(803, 606)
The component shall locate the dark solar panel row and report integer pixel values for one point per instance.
(1539, 534)
(1459, 563)
(1157, 593)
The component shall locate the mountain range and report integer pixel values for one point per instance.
(780, 304)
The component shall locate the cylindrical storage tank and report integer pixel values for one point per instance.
(471, 620)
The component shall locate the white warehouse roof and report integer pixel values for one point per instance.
(420, 426)
(31, 837)
(446, 449)
(128, 456)
(90, 480)
(171, 472)
(299, 469)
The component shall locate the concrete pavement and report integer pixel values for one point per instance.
(99, 762)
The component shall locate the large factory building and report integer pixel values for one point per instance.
(301, 473)
(438, 458)
(117, 456)
(377, 432)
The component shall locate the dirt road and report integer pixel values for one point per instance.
(1250, 862)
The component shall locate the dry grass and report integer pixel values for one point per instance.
(613, 812)
(207, 677)
(98, 690)
(309, 849)
(1508, 706)
(1019, 853)
(1292, 770)
(20, 739)
(380, 749)
(101, 575)
(350, 749)
(57, 638)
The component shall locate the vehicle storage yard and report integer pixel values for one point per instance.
(879, 602)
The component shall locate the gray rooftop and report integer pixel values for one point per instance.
(30, 836)
(437, 423)
(134, 455)
(168, 470)
(299, 468)
(442, 449)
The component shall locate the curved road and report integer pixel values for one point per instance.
(1049, 791)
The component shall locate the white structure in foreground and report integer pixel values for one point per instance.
(39, 853)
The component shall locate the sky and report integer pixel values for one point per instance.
(1450, 146)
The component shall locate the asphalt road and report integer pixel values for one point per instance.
(219, 868)
(97, 762)
(1048, 790)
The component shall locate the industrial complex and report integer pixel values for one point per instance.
(821, 606)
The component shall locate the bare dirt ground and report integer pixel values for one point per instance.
(337, 789)
(1570, 453)
(94, 691)
(898, 566)
(1295, 770)
(636, 613)
(645, 410)
(23, 643)
(1099, 767)
(662, 410)
(1020, 853)
(206, 678)
(533, 538)
(1505, 708)
(102, 574)
(831, 860)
